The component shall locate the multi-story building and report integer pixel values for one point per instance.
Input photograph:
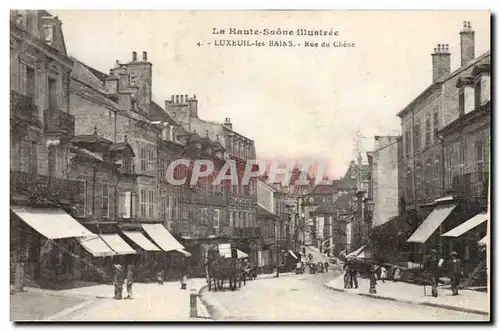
(420, 169)
(241, 199)
(41, 128)
(424, 171)
(383, 188)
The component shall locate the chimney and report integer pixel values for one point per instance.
(441, 65)
(193, 105)
(228, 123)
(144, 56)
(177, 99)
(172, 98)
(134, 56)
(182, 99)
(467, 44)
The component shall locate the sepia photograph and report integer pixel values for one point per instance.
(250, 165)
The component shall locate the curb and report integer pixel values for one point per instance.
(204, 313)
(465, 310)
(68, 311)
(428, 304)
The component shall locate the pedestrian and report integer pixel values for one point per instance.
(184, 275)
(432, 266)
(118, 281)
(276, 270)
(383, 273)
(354, 273)
(160, 275)
(347, 275)
(397, 275)
(455, 270)
(130, 281)
(326, 266)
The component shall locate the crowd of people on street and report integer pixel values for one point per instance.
(433, 269)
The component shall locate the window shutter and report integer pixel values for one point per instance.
(126, 198)
(133, 203)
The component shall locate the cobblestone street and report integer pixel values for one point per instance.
(304, 297)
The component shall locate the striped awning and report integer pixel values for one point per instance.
(118, 244)
(141, 241)
(96, 246)
(162, 237)
(483, 241)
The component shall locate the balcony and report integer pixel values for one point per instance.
(247, 232)
(22, 108)
(39, 186)
(60, 122)
(200, 197)
(471, 185)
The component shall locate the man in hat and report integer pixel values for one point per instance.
(455, 270)
(432, 266)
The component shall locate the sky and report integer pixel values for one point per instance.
(295, 103)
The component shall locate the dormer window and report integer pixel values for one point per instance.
(48, 33)
(127, 165)
(466, 95)
(481, 74)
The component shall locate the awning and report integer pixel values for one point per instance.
(467, 225)
(96, 246)
(184, 252)
(483, 241)
(225, 250)
(162, 237)
(142, 241)
(359, 253)
(316, 254)
(241, 254)
(431, 223)
(118, 244)
(293, 254)
(52, 223)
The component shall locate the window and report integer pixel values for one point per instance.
(427, 130)
(81, 209)
(479, 168)
(151, 203)
(105, 200)
(52, 160)
(143, 155)
(163, 173)
(462, 157)
(477, 95)
(30, 82)
(231, 220)
(52, 91)
(437, 178)
(151, 160)
(216, 219)
(143, 202)
(428, 179)
(407, 143)
(448, 166)
(127, 165)
(435, 120)
(418, 181)
(416, 135)
(461, 102)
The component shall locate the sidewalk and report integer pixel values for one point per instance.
(152, 302)
(467, 301)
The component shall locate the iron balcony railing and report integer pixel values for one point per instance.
(46, 187)
(22, 107)
(59, 121)
(474, 184)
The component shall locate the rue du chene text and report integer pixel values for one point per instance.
(300, 37)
